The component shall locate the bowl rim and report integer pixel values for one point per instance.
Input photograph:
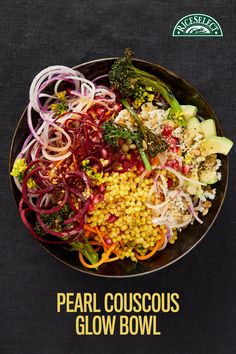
(76, 67)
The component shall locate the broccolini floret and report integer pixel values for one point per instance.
(92, 172)
(113, 132)
(126, 78)
(62, 106)
(18, 171)
(142, 95)
(155, 143)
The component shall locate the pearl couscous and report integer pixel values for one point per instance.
(124, 204)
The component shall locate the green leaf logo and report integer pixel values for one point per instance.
(197, 25)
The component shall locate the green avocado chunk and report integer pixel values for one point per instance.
(208, 128)
(216, 145)
(189, 111)
(193, 126)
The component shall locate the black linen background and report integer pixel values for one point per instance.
(36, 34)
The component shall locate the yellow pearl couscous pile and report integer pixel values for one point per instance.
(124, 203)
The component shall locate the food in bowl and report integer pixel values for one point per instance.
(114, 171)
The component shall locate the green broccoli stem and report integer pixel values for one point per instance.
(143, 155)
(86, 249)
(132, 112)
(146, 79)
(140, 125)
(160, 87)
(139, 72)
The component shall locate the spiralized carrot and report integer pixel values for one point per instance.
(96, 231)
(87, 234)
(105, 258)
(100, 235)
(154, 250)
(90, 228)
(155, 161)
(75, 162)
(116, 258)
(59, 163)
(95, 243)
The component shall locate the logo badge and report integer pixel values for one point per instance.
(197, 25)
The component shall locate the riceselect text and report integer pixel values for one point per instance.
(122, 313)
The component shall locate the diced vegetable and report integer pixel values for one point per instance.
(193, 126)
(216, 145)
(189, 111)
(208, 128)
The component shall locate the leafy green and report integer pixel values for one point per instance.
(55, 221)
(39, 230)
(114, 132)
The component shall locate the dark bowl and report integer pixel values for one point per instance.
(189, 237)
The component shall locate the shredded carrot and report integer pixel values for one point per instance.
(104, 259)
(113, 259)
(147, 174)
(96, 231)
(75, 162)
(155, 161)
(95, 243)
(95, 265)
(91, 229)
(85, 264)
(58, 163)
(100, 235)
(154, 250)
(87, 233)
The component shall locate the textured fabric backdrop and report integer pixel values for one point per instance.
(36, 34)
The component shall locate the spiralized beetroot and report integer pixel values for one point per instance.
(69, 131)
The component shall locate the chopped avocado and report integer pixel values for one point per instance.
(208, 128)
(208, 177)
(194, 188)
(193, 123)
(189, 111)
(193, 126)
(216, 145)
